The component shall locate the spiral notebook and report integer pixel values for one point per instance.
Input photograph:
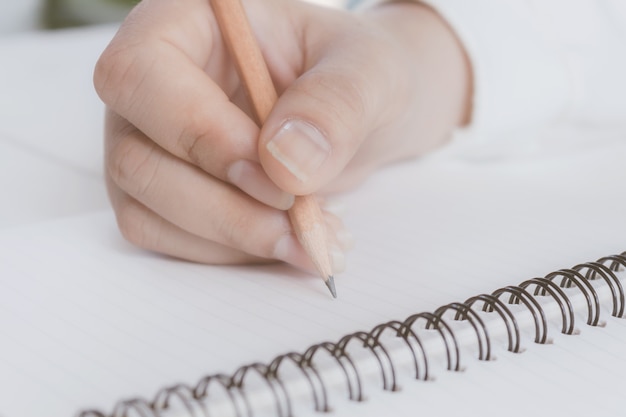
(489, 289)
(425, 339)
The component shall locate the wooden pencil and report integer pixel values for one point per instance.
(305, 214)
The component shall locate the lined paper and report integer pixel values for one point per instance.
(88, 319)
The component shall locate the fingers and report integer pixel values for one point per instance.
(339, 241)
(187, 197)
(322, 118)
(154, 75)
(144, 228)
(169, 90)
(167, 205)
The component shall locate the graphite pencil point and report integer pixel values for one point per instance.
(330, 283)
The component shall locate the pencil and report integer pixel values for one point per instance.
(305, 214)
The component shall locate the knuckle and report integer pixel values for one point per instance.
(232, 229)
(196, 143)
(118, 72)
(133, 223)
(108, 71)
(252, 232)
(192, 143)
(352, 95)
(341, 95)
(134, 166)
(101, 73)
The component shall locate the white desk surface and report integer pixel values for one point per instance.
(50, 125)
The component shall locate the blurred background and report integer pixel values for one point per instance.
(23, 15)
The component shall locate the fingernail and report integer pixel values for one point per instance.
(300, 147)
(287, 249)
(334, 206)
(250, 178)
(345, 239)
(283, 248)
(337, 259)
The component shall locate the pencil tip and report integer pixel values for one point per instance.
(330, 283)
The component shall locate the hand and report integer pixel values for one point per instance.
(188, 172)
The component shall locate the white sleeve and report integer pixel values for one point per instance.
(542, 62)
(538, 62)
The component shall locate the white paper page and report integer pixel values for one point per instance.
(88, 320)
(574, 377)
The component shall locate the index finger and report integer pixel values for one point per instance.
(154, 74)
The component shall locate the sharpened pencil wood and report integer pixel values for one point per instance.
(305, 214)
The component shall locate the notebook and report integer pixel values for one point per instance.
(92, 326)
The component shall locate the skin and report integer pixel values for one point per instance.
(189, 173)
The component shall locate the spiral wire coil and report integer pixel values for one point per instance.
(195, 398)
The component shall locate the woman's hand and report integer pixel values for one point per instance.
(189, 173)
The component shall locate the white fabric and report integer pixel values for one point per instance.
(542, 62)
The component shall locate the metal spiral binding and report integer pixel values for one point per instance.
(493, 303)
(519, 294)
(545, 286)
(194, 399)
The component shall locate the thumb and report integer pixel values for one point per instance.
(320, 121)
